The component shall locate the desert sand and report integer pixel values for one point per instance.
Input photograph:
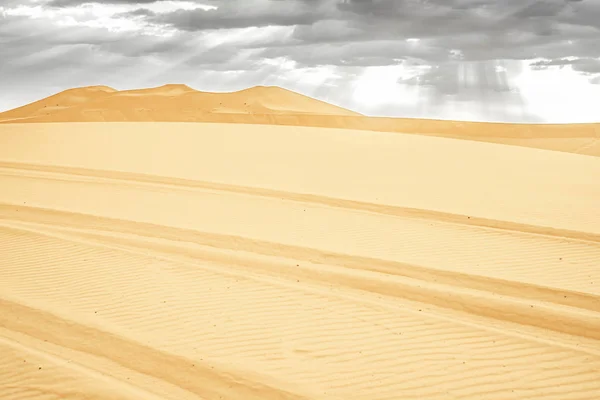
(277, 106)
(258, 259)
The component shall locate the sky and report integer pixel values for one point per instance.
(481, 60)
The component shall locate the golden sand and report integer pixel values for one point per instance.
(276, 106)
(171, 260)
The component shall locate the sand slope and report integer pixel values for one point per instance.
(276, 106)
(165, 103)
(207, 261)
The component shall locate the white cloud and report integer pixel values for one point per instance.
(170, 6)
(379, 85)
(253, 36)
(559, 94)
(112, 17)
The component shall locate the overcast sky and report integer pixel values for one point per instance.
(495, 60)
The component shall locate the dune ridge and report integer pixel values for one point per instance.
(273, 105)
(215, 260)
(171, 102)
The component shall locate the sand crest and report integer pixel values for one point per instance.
(276, 106)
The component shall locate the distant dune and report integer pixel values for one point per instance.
(277, 106)
(174, 103)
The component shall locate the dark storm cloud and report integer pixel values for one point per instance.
(480, 29)
(243, 14)
(359, 32)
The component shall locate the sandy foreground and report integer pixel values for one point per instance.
(234, 261)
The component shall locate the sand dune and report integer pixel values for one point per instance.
(165, 103)
(277, 106)
(207, 261)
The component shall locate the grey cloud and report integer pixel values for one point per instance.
(456, 37)
(71, 3)
(561, 62)
(140, 12)
(540, 8)
(250, 13)
(143, 45)
(471, 79)
(12, 3)
(28, 37)
(586, 65)
(482, 88)
(225, 58)
(479, 29)
(373, 53)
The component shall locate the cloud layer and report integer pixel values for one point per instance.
(450, 54)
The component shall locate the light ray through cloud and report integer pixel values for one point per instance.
(483, 60)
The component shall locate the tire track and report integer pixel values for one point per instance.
(517, 302)
(33, 370)
(315, 339)
(202, 379)
(71, 173)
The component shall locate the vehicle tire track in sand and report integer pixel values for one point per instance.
(509, 256)
(197, 377)
(338, 348)
(33, 371)
(242, 264)
(544, 307)
(71, 173)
